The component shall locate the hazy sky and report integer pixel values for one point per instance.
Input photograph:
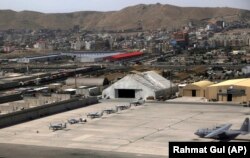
(52, 6)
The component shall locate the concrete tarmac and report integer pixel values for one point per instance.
(139, 130)
(28, 151)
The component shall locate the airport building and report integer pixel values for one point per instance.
(90, 57)
(147, 85)
(44, 58)
(237, 90)
(196, 89)
(125, 56)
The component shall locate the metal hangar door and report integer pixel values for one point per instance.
(126, 93)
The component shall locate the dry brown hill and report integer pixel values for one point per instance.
(151, 16)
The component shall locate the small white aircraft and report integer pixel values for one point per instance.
(111, 110)
(57, 126)
(123, 107)
(137, 102)
(76, 120)
(95, 114)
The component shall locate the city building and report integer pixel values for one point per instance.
(246, 70)
(229, 39)
(8, 48)
(180, 39)
(76, 45)
(40, 45)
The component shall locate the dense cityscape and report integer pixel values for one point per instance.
(123, 90)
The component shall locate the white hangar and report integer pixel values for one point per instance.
(146, 85)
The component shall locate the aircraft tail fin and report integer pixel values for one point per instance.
(245, 126)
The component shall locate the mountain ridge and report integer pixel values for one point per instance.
(150, 16)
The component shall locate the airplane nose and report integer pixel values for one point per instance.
(196, 133)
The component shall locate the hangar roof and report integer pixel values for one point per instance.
(236, 82)
(152, 80)
(203, 84)
(245, 83)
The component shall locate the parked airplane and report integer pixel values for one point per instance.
(76, 120)
(57, 126)
(223, 132)
(137, 102)
(95, 114)
(123, 107)
(111, 110)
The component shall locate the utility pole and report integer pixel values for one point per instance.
(75, 79)
(27, 68)
(170, 78)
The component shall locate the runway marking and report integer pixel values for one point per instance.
(81, 138)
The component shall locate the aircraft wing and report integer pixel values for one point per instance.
(93, 113)
(134, 102)
(218, 131)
